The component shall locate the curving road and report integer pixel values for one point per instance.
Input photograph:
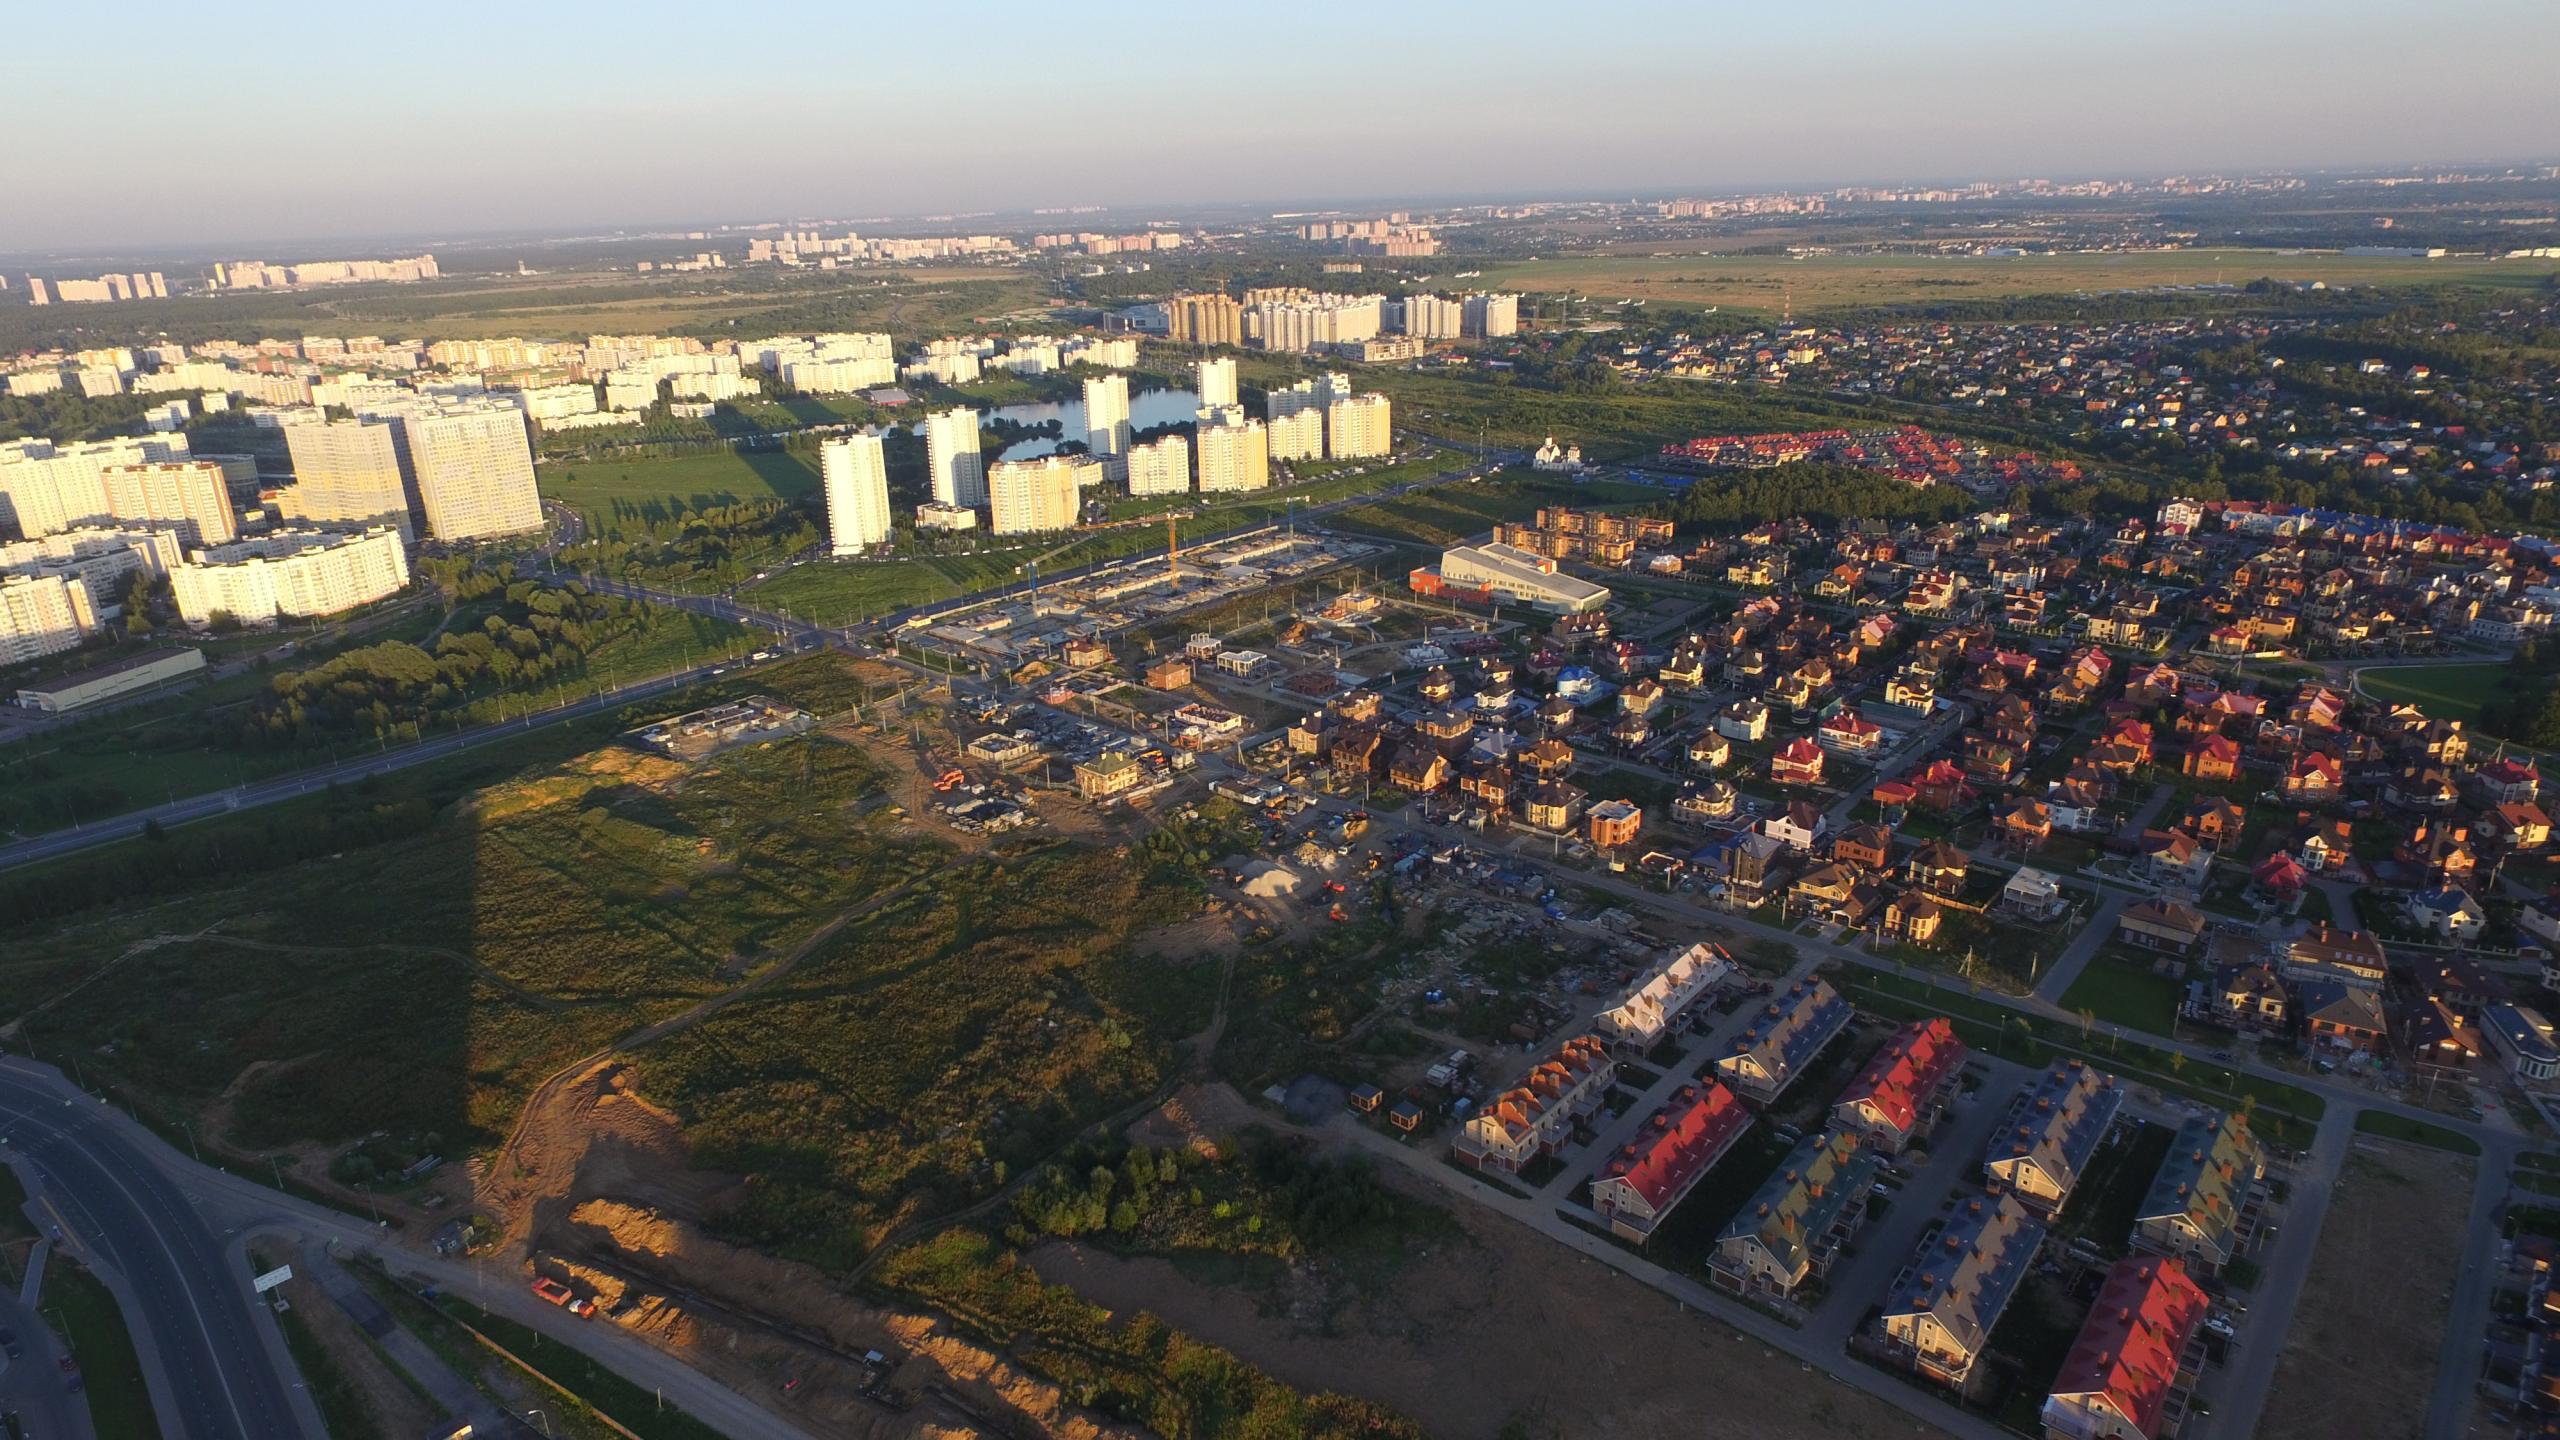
(212, 1374)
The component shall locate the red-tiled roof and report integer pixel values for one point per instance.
(2128, 1350)
(1908, 1070)
(1681, 1140)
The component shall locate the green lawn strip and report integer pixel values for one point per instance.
(2401, 1127)
(342, 1405)
(76, 1302)
(2115, 991)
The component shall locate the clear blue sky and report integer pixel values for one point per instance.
(159, 123)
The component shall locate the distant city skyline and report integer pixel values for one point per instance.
(574, 116)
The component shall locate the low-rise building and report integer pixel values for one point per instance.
(1786, 1236)
(1783, 1039)
(1656, 1170)
(1655, 1006)
(101, 683)
(2350, 957)
(2162, 925)
(2135, 1358)
(1940, 1314)
(1107, 775)
(2523, 1040)
(2197, 1200)
(1904, 1088)
(2040, 1152)
(1535, 1117)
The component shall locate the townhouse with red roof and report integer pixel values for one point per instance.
(1649, 1176)
(2137, 1356)
(1903, 1091)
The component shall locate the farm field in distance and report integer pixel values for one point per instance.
(1826, 282)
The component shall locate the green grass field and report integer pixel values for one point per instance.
(2445, 692)
(2399, 1127)
(1825, 282)
(2119, 992)
(119, 1406)
(712, 478)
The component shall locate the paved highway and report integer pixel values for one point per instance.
(205, 1213)
(212, 1375)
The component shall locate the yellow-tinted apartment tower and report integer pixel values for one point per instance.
(856, 473)
(347, 472)
(1160, 467)
(1029, 496)
(1359, 427)
(1207, 319)
(473, 465)
(42, 615)
(189, 496)
(1234, 456)
(1433, 317)
(1297, 435)
(959, 471)
(1217, 381)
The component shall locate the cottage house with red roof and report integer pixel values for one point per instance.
(2213, 757)
(1799, 762)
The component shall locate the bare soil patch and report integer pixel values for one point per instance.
(2360, 1362)
(1507, 1328)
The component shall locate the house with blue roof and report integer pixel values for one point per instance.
(1938, 1318)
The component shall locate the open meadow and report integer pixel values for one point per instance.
(1769, 284)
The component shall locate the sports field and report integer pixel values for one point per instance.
(1830, 282)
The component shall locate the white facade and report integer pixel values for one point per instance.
(42, 615)
(1433, 317)
(958, 471)
(1160, 467)
(46, 487)
(1297, 436)
(1216, 381)
(856, 474)
(290, 574)
(346, 471)
(1492, 316)
(1235, 456)
(1106, 414)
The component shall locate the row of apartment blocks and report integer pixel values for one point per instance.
(1289, 318)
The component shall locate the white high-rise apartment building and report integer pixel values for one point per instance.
(348, 471)
(1106, 414)
(188, 496)
(1217, 381)
(290, 575)
(1234, 457)
(1359, 426)
(1433, 317)
(42, 615)
(856, 473)
(1492, 316)
(1160, 467)
(472, 463)
(1298, 435)
(951, 455)
(45, 488)
(1029, 496)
